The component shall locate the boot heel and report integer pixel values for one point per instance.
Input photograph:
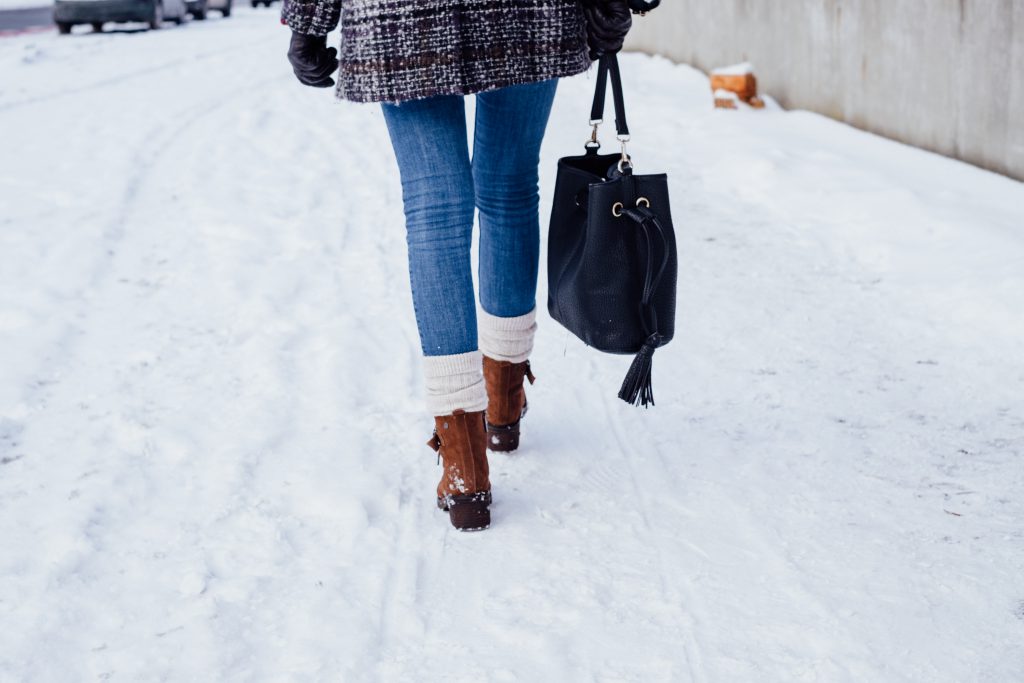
(469, 513)
(504, 438)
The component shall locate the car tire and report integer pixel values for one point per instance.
(97, 27)
(64, 28)
(199, 14)
(158, 16)
(226, 12)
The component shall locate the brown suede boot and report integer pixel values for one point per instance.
(506, 402)
(465, 488)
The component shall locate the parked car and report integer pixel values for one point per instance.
(198, 8)
(67, 13)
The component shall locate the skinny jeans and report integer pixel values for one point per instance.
(442, 187)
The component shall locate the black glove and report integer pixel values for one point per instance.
(608, 22)
(312, 61)
(643, 6)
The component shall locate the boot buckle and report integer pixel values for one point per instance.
(435, 443)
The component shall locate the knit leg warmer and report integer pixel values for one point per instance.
(509, 339)
(454, 382)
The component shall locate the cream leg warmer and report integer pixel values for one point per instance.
(508, 339)
(455, 381)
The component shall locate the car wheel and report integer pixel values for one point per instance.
(97, 26)
(226, 12)
(64, 28)
(158, 15)
(199, 14)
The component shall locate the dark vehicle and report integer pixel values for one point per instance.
(67, 13)
(257, 3)
(199, 8)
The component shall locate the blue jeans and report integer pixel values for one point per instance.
(440, 189)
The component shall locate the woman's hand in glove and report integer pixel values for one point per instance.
(608, 22)
(312, 61)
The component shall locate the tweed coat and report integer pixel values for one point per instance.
(396, 50)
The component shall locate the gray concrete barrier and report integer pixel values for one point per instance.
(945, 75)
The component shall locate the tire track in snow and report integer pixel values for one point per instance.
(65, 359)
(398, 568)
(144, 163)
(120, 79)
(685, 620)
(63, 355)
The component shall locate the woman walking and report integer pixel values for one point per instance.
(419, 60)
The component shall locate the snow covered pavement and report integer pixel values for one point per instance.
(212, 447)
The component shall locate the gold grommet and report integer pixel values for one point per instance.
(645, 200)
(617, 209)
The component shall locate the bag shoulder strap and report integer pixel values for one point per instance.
(609, 65)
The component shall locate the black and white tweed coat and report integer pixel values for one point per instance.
(396, 50)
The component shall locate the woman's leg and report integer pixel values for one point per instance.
(429, 139)
(510, 125)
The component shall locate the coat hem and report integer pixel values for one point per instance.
(505, 81)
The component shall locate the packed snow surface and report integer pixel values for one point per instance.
(24, 4)
(213, 442)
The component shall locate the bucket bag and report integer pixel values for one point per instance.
(611, 249)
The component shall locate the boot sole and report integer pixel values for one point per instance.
(503, 439)
(468, 512)
(484, 496)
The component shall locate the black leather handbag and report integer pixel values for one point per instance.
(612, 250)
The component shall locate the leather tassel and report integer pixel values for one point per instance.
(636, 387)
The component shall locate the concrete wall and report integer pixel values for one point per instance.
(946, 75)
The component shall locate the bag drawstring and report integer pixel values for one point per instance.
(637, 386)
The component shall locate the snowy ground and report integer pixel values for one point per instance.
(212, 441)
(23, 4)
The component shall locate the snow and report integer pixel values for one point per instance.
(741, 69)
(211, 425)
(24, 4)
